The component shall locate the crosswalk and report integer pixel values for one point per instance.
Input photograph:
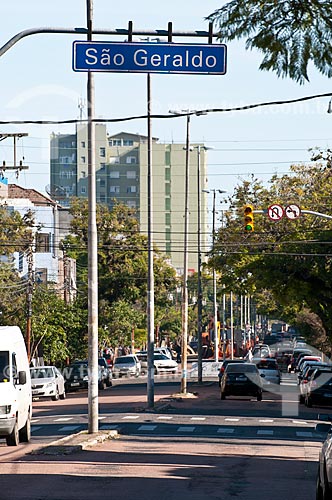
(198, 426)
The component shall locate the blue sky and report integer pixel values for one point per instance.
(38, 83)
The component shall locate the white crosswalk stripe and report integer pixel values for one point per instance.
(147, 428)
(185, 429)
(69, 428)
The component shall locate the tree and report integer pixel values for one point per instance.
(290, 33)
(289, 259)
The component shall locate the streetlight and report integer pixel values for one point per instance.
(215, 305)
(199, 264)
(184, 343)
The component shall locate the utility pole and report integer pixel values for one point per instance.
(92, 250)
(29, 300)
(14, 166)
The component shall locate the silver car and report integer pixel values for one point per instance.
(126, 366)
(268, 370)
(47, 382)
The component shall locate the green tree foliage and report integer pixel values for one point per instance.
(287, 262)
(290, 33)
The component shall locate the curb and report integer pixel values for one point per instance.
(75, 442)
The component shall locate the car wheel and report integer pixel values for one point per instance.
(63, 395)
(222, 395)
(101, 385)
(155, 370)
(108, 383)
(259, 396)
(25, 432)
(322, 488)
(56, 396)
(13, 438)
(301, 399)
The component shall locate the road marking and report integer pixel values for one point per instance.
(232, 419)
(299, 422)
(108, 426)
(35, 420)
(185, 429)
(164, 418)
(198, 418)
(266, 420)
(35, 428)
(63, 419)
(101, 418)
(265, 433)
(147, 428)
(226, 430)
(69, 428)
(304, 434)
(130, 417)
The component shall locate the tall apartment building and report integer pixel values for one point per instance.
(121, 175)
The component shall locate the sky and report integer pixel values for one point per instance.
(38, 83)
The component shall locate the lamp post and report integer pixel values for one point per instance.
(199, 265)
(215, 305)
(184, 343)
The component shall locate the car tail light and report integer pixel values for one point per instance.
(222, 369)
(304, 381)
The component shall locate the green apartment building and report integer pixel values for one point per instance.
(121, 175)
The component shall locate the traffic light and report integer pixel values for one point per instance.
(248, 218)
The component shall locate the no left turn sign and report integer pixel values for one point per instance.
(292, 211)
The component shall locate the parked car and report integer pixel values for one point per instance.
(304, 359)
(241, 379)
(296, 353)
(224, 364)
(47, 382)
(305, 376)
(268, 370)
(324, 472)
(77, 376)
(128, 365)
(162, 363)
(106, 371)
(319, 391)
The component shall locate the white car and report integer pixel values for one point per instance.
(162, 364)
(47, 382)
(268, 370)
(126, 366)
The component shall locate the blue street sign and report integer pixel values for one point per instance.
(205, 59)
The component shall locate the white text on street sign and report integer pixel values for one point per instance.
(149, 57)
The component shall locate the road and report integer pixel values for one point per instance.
(200, 447)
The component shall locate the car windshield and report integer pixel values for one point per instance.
(241, 368)
(124, 360)
(4, 366)
(42, 373)
(267, 364)
(160, 356)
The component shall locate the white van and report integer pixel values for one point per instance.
(15, 387)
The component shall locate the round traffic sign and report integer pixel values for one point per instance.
(275, 212)
(292, 211)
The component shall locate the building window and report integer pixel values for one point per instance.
(131, 174)
(115, 175)
(167, 174)
(82, 144)
(102, 166)
(83, 159)
(131, 189)
(42, 242)
(102, 152)
(102, 182)
(114, 189)
(131, 203)
(128, 142)
(167, 189)
(83, 190)
(83, 174)
(20, 261)
(167, 203)
(168, 219)
(131, 159)
(116, 142)
(167, 157)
